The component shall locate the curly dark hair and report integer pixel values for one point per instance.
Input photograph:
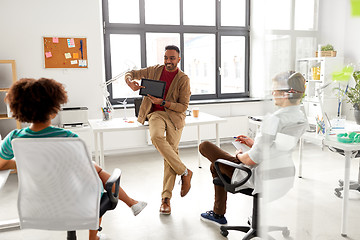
(33, 101)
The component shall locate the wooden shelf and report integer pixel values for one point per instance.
(4, 116)
(6, 89)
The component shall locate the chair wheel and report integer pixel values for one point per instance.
(224, 232)
(337, 193)
(341, 183)
(286, 233)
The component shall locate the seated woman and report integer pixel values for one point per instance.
(37, 102)
(288, 122)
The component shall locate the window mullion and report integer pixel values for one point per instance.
(142, 29)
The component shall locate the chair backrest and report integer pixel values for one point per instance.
(59, 188)
(278, 172)
(137, 103)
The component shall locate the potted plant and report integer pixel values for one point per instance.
(327, 51)
(353, 96)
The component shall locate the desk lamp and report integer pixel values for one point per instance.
(104, 86)
(105, 89)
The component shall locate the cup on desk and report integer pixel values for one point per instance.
(195, 112)
(106, 114)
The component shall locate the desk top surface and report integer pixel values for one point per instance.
(332, 141)
(4, 174)
(119, 124)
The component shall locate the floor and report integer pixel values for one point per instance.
(310, 209)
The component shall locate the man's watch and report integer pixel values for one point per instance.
(162, 103)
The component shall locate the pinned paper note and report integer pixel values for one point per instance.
(75, 55)
(55, 40)
(71, 42)
(67, 55)
(48, 54)
(73, 62)
(82, 63)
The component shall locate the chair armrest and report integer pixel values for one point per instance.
(113, 179)
(228, 186)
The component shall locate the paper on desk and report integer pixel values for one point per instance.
(241, 146)
(4, 174)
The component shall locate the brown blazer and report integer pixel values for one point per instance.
(178, 94)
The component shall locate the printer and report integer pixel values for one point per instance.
(73, 117)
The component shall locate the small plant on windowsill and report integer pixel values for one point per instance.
(327, 51)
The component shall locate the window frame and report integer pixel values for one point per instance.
(142, 29)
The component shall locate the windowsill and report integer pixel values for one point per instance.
(225, 100)
(208, 101)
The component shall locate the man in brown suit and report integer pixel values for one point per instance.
(166, 116)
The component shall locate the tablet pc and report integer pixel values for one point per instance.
(152, 87)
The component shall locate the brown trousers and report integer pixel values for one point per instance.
(213, 153)
(167, 145)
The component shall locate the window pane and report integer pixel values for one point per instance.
(155, 46)
(305, 47)
(233, 12)
(277, 14)
(305, 15)
(125, 55)
(191, 12)
(278, 54)
(232, 64)
(199, 61)
(124, 11)
(162, 12)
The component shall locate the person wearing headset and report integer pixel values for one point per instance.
(288, 89)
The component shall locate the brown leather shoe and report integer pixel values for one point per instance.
(186, 185)
(165, 206)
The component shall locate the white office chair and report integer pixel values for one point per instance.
(59, 188)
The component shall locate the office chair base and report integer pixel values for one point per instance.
(354, 185)
(284, 230)
(250, 233)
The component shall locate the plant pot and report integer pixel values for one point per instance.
(357, 116)
(357, 113)
(326, 54)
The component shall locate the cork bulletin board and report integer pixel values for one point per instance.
(65, 52)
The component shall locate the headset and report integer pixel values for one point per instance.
(352, 137)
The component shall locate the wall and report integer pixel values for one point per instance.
(23, 24)
(343, 32)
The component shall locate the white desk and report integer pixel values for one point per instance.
(13, 223)
(312, 137)
(348, 148)
(4, 174)
(320, 138)
(99, 126)
(331, 141)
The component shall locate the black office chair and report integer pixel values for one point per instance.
(59, 188)
(109, 199)
(253, 229)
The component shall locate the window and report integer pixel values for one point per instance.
(214, 46)
(292, 32)
(199, 52)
